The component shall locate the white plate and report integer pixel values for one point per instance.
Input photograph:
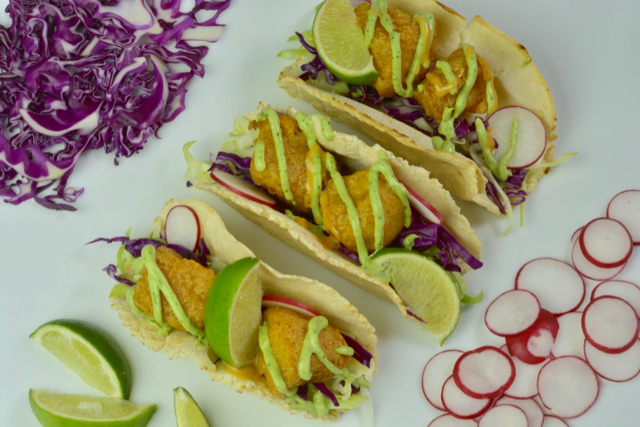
(588, 53)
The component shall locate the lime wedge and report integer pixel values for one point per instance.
(232, 312)
(188, 413)
(425, 287)
(88, 352)
(340, 43)
(72, 410)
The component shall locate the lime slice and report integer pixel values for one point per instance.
(73, 410)
(188, 413)
(88, 352)
(425, 287)
(340, 43)
(232, 312)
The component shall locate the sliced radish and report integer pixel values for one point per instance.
(575, 235)
(534, 345)
(567, 386)
(484, 373)
(614, 367)
(589, 270)
(447, 420)
(461, 405)
(558, 286)
(242, 188)
(606, 243)
(298, 307)
(529, 406)
(524, 386)
(512, 312)
(553, 421)
(610, 324)
(437, 370)
(423, 207)
(570, 339)
(531, 138)
(625, 207)
(504, 416)
(621, 289)
(182, 227)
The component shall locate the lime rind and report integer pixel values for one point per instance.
(89, 352)
(341, 44)
(187, 410)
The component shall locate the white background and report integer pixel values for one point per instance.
(589, 53)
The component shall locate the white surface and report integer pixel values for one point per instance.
(588, 53)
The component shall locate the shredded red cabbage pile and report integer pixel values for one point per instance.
(91, 74)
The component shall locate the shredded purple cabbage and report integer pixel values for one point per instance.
(325, 390)
(492, 193)
(513, 187)
(346, 252)
(233, 164)
(112, 271)
(303, 392)
(415, 316)
(361, 354)
(90, 74)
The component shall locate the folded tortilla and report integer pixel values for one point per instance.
(226, 249)
(517, 81)
(353, 152)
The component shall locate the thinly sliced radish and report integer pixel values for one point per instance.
(484, 373)
(534, 345)
(298, 307)
(553, 421)
(610, 324)
(531, 138)
(529, 406)
(461, 405)
(504, 416)
(423, 207)
(182, 227)
(567, 386)
(587, 269)
(621, 289)
(558, 286)
(625, 207)
(524, 386)
(437, 370)
(614, 367)
(570, 339)
(447, 420)
(606, 243)
(575, 235)
(512, 312)
(242, 188)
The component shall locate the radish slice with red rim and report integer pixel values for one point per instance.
(531, 137)
(512, 312)
(610, 324)
(619, 367)
(553, 421)
(484, 373)
(182, 227)
(570, 339)
(529, 406)
(524, 386)
(589, 270)
(460, 404)
(504, 416)
(558, 286)
(567, 386)
(625, 207)
(606, 243)
(425, 208)
(575, 235)
(298, 307)
(621, 289)
(534, 345)
(242, 188)
(448, 420)
(437, 370)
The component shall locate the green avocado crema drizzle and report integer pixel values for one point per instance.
(258, 156)
(158, 283)
(499, 169)
(306, 125)
(445, 67)
(271, 362)
(380, 9)
(274, 121)
(317, 189)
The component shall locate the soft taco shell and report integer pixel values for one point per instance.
(356, 154)
(178, 344)
(518, 82)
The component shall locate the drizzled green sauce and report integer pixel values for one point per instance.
(306, 125)
(499, 169)
(274, 121)
(271, 362)
(258, 156)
